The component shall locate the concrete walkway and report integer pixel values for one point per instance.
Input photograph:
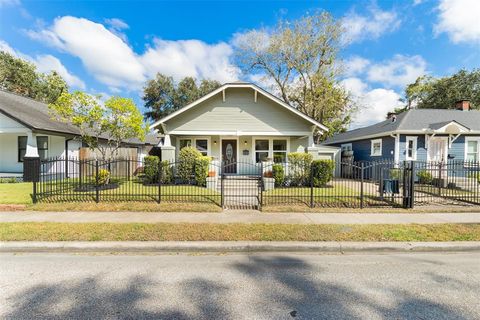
(240, 217)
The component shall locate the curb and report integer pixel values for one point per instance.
(236, 246)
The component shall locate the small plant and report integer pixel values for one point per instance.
(278, 174)
(395, 174)
(167, 172)
(424, 177)
(322, 172)
(299, 167)
(268, 174)
(201, 170)
(103, 177)
(8, 180)
(151, 169)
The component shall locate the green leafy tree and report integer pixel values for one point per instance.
(300, 59)
(163, 96)
(442, 93)
(103, 127)
(21, 77)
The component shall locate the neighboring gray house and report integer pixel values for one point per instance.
(241, 122)
(436, 135)
(27, 129)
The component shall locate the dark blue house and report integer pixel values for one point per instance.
(433, 135)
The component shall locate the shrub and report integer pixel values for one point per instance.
(151, 169)
(201, 170)
(278, 174)
(322, 172)
(299, 167)
(424, 177)
(8, 180)
(103, 177)
(187, 158)
(396, 174)
(167, 172)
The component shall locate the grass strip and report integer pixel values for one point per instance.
(28, 231)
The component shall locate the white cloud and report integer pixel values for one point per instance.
(372, 26)
(46, 63)
(459, 19)
(417, 2)
(113, 62)
(355, 65)
(374, 104)
(398, 71)
(190, 58)
(117, 23)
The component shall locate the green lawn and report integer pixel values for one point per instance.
(234, 232)
(15, 193)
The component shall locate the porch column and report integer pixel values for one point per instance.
(167, 150)
(312, 149)
(32, 150)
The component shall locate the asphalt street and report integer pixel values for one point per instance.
(240, 286)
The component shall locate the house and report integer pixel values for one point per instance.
(241, 123)
(28, 130)
(433, 135)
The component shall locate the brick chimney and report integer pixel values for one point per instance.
(463, 105)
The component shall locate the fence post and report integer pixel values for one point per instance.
(261, 184)
(311, 185)
(412, 185)
(34, 195)
(439, 182)
(222, 195)
(362, 167)
(160, 172)
(97, 191)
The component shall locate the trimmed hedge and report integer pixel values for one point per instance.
(186, 162)
(299, 168)
(322, 172)
(201, 170)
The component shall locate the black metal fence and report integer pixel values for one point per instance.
(253, 185)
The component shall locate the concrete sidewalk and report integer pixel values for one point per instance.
(240, 217)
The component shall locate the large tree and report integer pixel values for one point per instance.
(103, 127)
(442, 93)
(163, 95)
(299, 58)
(21, 77)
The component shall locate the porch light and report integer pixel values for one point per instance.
(215, 142)
(245, 142)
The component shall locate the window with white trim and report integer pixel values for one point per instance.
(472, 149)
(279, 151)
(376, 147)
(185, 143)
(202, 146)
(262, 146)
(346, 147)
(411, 148)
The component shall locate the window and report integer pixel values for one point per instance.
(279, 151)
(42, 147)
(472, 152)
(202, 146)
(185, 143)
(261, 150)
(346, 147)
(376, 147)
(22, 148)
(411, 148)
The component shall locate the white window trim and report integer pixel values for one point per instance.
(414, 147)
(372, 142)
(194, 143)
(270, 145)
(469, 139)
(348, 145)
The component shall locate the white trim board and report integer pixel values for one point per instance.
(241, 85)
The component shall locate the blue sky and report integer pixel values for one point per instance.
(112, 47)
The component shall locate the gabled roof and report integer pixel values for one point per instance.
(418, 121)
(35, 115)
(240, 84)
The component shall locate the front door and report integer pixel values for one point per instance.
(229, 156)
(437, 149)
